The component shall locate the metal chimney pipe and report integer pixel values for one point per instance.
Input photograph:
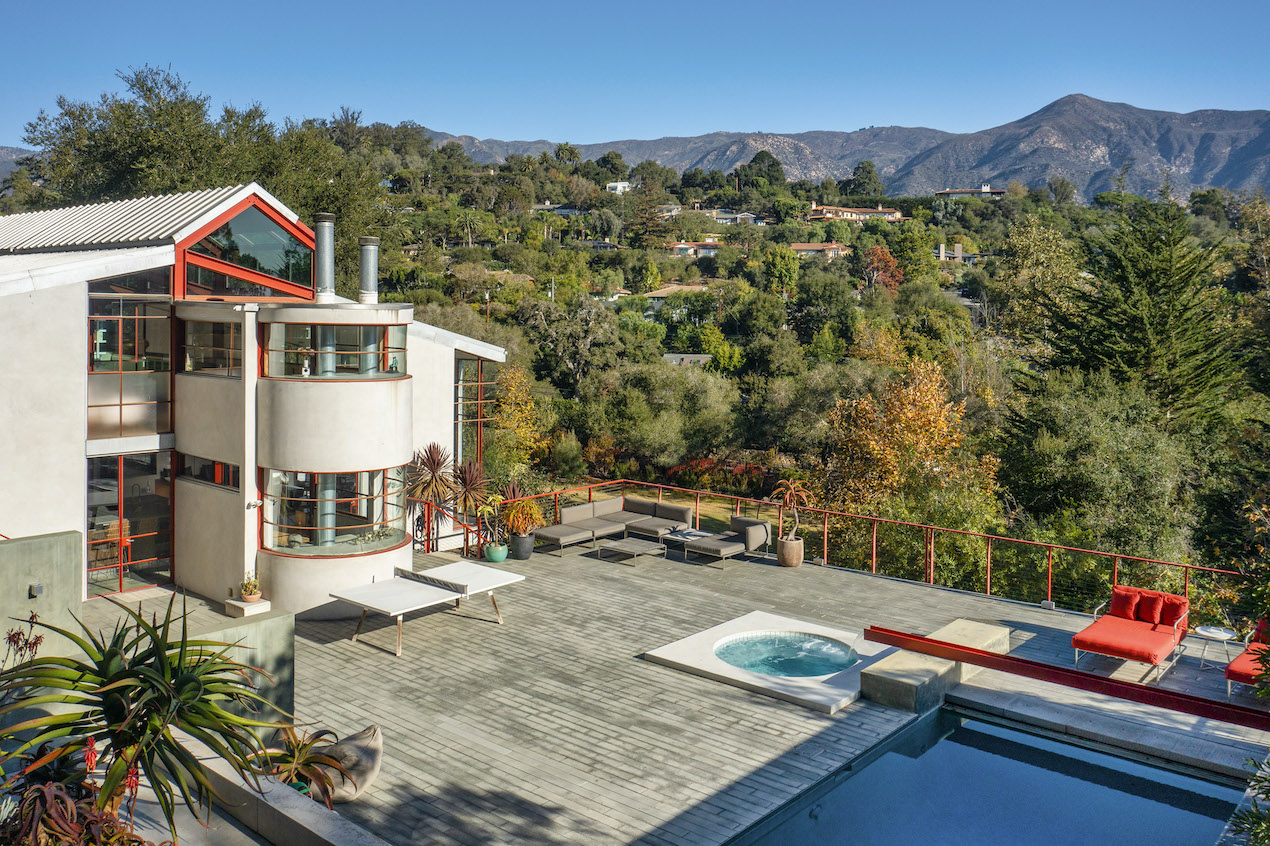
(368, 285)
(324, 230)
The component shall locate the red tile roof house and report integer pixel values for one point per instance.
(854, 214)
(831, 250)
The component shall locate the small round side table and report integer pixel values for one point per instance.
(1211, 633)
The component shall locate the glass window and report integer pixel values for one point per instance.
(253, 241)
(213, 348)
(201, 282)
(206, 470)
(129, 534)
(303, 351)
(473, 405)
(333, 514)
(153, 282)
(129, 359)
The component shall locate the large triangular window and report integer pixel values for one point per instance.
(253, 241)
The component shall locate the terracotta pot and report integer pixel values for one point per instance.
(251, 597)
(789, 553)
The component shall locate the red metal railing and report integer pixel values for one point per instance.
(1011, 568)
(430, 512)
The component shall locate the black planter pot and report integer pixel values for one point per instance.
(520, 546)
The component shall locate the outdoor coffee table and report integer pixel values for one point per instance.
(1211, 633)
(410, 591)
(632, 548)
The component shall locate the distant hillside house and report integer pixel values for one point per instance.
(561, 209)
(687, 359)
(831, 250)
(657, 299)
(668, 211)
(984, 190)
(858, 216)
(617, 187)
(727, 218)
(695, 248)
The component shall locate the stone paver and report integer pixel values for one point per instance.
(550, 729)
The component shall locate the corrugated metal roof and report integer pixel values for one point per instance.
(139, 222)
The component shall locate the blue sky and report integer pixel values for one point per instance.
(595, 72)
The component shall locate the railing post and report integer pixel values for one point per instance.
(590, 494)
(930, 556)
(988, 579)
(736, 506)
(1049, 577)
(874, 565)
(697, 512)
(556, 498)
(780, 521)
(1187, 583)
(824, 538)
(1115, 570)
(660, 491)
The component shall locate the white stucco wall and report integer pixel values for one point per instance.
(209, 419)
(432, 366)
(303, 584)
(43, 410)
(209, 538)
(322, 426)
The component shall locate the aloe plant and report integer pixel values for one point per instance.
(120, 703)
(300, 758)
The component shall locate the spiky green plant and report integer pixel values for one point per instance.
(122, 700)
(428, 478)
(471, 487)
(300, 757)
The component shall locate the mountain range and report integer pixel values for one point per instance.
(1077, 137)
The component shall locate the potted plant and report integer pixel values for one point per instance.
(491, 529)
(429, 479)
(301, 762)
(791, 494)
(520, 516)
(250, 588)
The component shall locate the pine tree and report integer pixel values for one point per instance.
(1153, 314)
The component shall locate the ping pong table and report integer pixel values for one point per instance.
(411, 591)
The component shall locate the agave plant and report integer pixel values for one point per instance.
(49, 814)
(119, 705)
(428, 479)
(471, 487)
(792, 494)
(301, 759)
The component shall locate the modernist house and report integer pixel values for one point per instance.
(185, 388)
(830, 250)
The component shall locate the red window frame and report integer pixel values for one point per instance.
(286, 290)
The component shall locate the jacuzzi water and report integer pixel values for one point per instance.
(785, 653)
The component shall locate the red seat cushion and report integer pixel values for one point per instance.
(1175, 607)
(1245, 667)
(1132, 640)
(1124, 602)
(1262, 633)
(1150, 604)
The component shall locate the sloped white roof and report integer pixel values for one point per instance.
(138, 222)
(22, 274)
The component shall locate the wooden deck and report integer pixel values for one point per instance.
(550, 729)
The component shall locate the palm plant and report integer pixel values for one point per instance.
(122, 701)
(302, 759)
(470, 486)
(428, 479)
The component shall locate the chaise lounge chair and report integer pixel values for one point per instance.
(1246, 666)
(746, 535)
(1140, 625)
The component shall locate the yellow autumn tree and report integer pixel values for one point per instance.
(517, 421)
(898, 450)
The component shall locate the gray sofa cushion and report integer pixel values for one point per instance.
(682, 513)
(647, 507)
(720, 546)
(563, 534)
(654, 527)
(574, 513)
(625, 517)
(605, 507)
(601, 527)
(755, 533)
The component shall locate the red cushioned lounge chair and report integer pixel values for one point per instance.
(1140, 625)
(1246, 666)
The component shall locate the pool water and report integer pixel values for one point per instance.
(985, 784)
(789, 654)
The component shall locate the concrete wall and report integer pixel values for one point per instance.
(304, 584)
(334, 426)
(210, 411)
(209, 551)
(432, 366)
(55, 561)
(43, 412)
(266, 641)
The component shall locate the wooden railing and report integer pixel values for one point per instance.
(1012, 568)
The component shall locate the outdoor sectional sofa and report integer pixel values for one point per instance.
(1140, 625)
(615, 516)
(1246, 666)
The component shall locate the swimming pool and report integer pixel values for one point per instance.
(970, 782)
